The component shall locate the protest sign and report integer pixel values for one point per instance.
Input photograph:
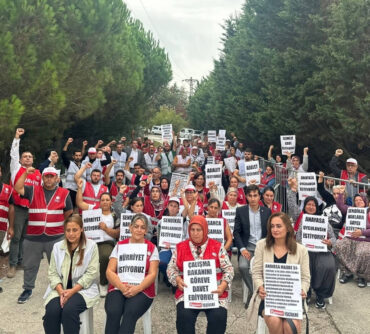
(91, 220)
(220, 144)
(222, 134)
(183, 181)
(211, 160)
(131, 262)
(252, 172)
(230, 164)
(200, 278)
(306, 185)
(287, 144)
(167, 132)
(171, 231)
(212, 136)
(125, 225)
(213, 174)
(356, 219)
(314, 229)
(216, 229)
(283, 289)
(229, 215)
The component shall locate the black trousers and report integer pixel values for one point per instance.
(186, 319)
(118, 307)
(68, 316)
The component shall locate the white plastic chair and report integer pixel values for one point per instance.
(87, 322)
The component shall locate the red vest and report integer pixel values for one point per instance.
(265, 179)
(89, 194)
(5, 194)
(33, 179)
(113, 191)
(344, 176)
(211, 253)
(132, 182)
(46, 218)
(241, 197)
(149, 210)
(276, 206)
(150, 291)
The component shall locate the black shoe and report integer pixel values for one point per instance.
(361, 283)
(320, 303)
(344, 278)
(26, 294)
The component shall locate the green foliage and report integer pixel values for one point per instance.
(292, 66)
(168, 115)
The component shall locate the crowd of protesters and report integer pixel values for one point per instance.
(40, 212)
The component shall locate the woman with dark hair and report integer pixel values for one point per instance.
(110, 225)
(354, 252)
(279, 246)
(126, 302)
(199, 184)
(73, 275)
(322, 264)
(268, 177)
(268, 194)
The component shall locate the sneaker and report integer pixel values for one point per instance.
(26, 294)
(344, 278)
(361, 283)
(320, 303)
(103, 290)
(11, 272)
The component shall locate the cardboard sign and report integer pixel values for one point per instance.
(212, 136)
(131, 262)
(216, 229)
(283, 289)
(220, 144)
(183, 181)
(252, 172)
(314, 229)
(222, 133)
(167, 132)
(125, 225)
(213, 174)
(200, 278)
(211, 160)
(356, 219)
(171, 232)
(307, 185)
(287, 143)
(91, 220)
(230, 164)
(229, 215)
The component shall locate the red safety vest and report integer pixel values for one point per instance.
(89, 194)
(211, 253)
(241, 197)
(5, 194)
(265, 179)
(47, 218)
(344, 176)
(275, 207)
(113, 191)
(150, 291)
(33, 179)
(149, 210)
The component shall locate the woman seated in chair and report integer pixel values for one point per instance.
(279, 246)
(73, 275)
(127, 302)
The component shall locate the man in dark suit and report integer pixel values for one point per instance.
(250, 226)
(137, 155)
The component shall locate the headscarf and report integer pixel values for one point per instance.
(165, 191)
(200, 220)
(307, 199)
(157, 205)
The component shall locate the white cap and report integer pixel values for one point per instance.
(92, 150)
(174, 199)
(351, 160)
(194, 148)
(50, 171)
(190, 187)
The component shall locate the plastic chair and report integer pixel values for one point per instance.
(87, 322)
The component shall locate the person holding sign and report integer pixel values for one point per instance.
(214, 207)
(109, 225)
(293, 163)
(200, 247)
(279, 246)
(231, 199)
(131, 272)
(354, 252)
(241, 195)
(268, 195)
(322, 264)
(73, 275)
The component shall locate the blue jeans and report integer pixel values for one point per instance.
(164, 258)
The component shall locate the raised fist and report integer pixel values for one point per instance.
(80, 183)
(100, 142)
(19, 132)
(69, 140)
(122, 189)
(123, 138)
(338, 152)
(271, 147)
(113, 162)
(30, 170)
(85, 142)
(88, 165)
(130, 159)
(305, 150)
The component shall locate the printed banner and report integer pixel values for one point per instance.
(91, 220)
(171, 231)
(216, 229)
(167, 132)
(287, 143)
(220, 144)
(252, 172)
(283, 289)
(230, 164)
(314, 229)
(125, 225)
(306, 185)
(131, 262)
(356, 219)
(213, 174)
(212, 136)
(229, 215)
(200, 278)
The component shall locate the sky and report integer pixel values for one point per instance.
(189, 30)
